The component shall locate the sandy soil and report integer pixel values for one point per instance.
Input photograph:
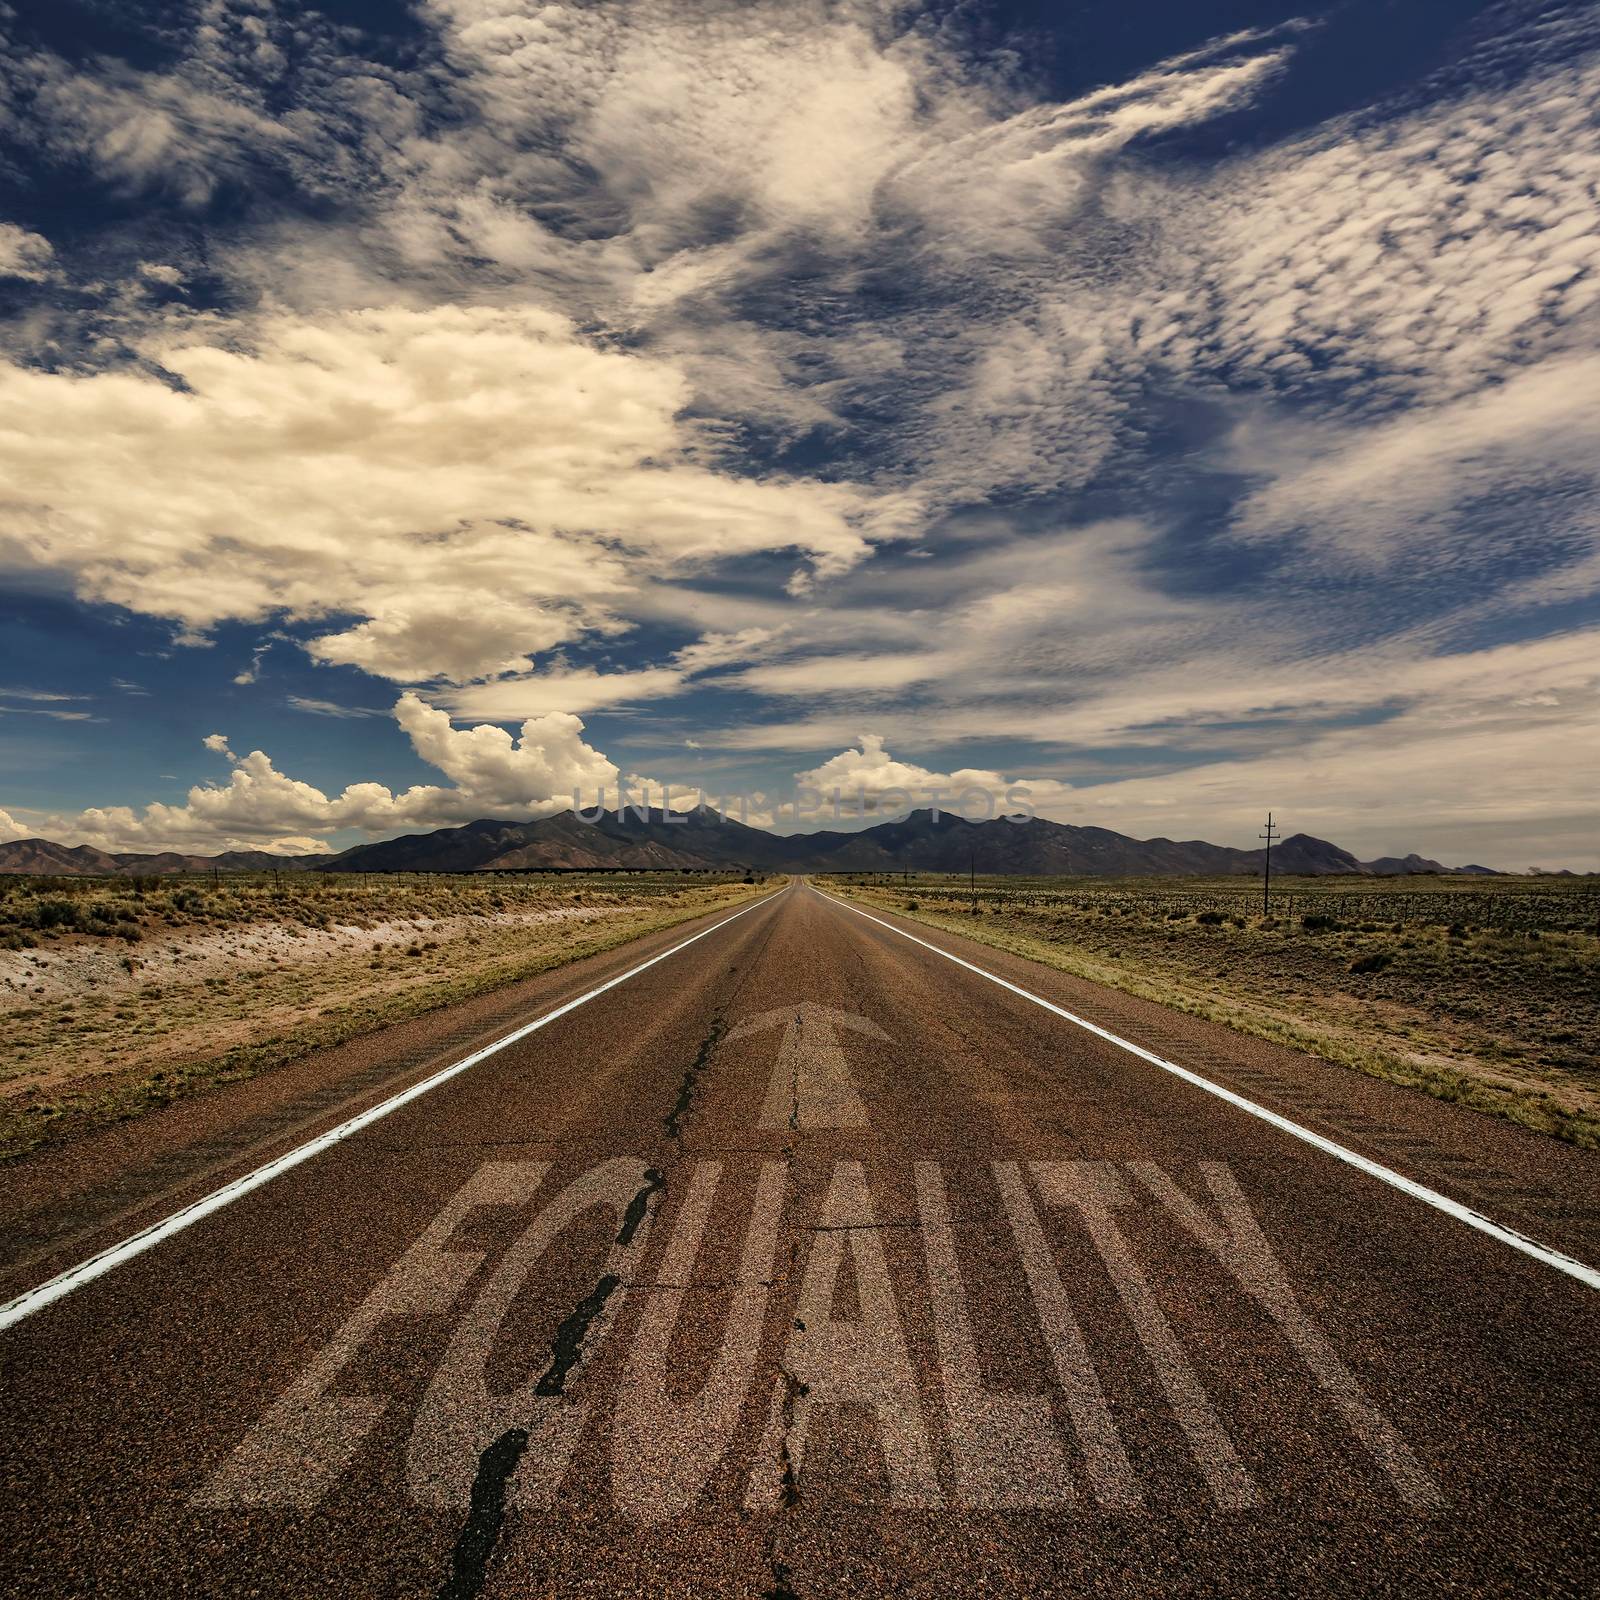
(73, 970)
(94, 1029)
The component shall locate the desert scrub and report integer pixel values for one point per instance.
(230, 983)
(1485, 993)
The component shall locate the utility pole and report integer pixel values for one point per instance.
(1266, 876)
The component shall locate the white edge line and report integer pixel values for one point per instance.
(64, 1283)
(1373, 1169)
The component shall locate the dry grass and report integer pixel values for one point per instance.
(1482, 992)
(130, 1000)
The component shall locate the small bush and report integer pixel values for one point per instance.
(1375, 962)
(1210, 919)
(1319, 923)
(55, 914)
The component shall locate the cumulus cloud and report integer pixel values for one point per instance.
(472, 484)
(543, 767)
(538, 771)
(871, 774)
(11, 829)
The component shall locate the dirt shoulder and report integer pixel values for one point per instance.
(220, 984)
(1500, 1014)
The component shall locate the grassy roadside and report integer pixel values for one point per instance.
(1501, 1015)
(222, 991)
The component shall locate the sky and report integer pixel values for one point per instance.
(412, 413)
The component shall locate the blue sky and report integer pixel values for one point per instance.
(417, 413)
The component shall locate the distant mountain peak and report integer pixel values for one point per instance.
(705, 839)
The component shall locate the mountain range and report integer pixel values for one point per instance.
(705, 840)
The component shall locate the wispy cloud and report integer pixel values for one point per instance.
(330, 708)
(42, 703)
(792, 354)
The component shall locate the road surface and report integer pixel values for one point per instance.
(806, 1261)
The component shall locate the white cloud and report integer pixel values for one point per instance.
(25, 255)
(871, 774)
(1463, 772)
(329, 708)
(844, 674)
(1410, 254)
(714, 650)
(1380, 491)
(542, 769)
(514, 484)
(573, 260)
(11, 829)
(539, 694)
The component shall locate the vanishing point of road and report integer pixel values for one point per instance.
(781, 1254)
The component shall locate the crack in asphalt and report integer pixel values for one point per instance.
(567, 1346)
(794, 1087)
(673, 1120)
(859, 1227)
(793, 1392)
(654, 1182)
(469, 1561)
(781, 1589)
(480, 1533)
(707, 1284)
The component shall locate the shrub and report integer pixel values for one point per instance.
(1375, 962)
(55, 914)
(1210, 919)
(1319, 923)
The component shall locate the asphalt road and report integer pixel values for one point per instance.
(807, 1262)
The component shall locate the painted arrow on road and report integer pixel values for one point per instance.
(811, 1083)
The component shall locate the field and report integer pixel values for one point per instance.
(117, 995)
(1485, 992)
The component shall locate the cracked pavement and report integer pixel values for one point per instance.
(991, 1307)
